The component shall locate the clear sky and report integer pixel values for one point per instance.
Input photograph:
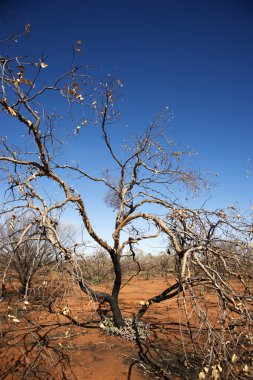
(194, 56)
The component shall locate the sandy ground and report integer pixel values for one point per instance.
(46, 345)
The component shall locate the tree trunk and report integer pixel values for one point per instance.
(117, 316)
(116, 312)
(112, 300)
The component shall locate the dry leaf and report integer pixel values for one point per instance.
(16, 320)
(65, 311)
(202, 376)
(26, 81)
(234, 358)
(11, 225)
(43, 65)
(215, 374)
(27, 28)
(11, 316)
(142, 302)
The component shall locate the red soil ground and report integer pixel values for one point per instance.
(46, 345)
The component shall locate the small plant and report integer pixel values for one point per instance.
(130, 331)
(96, 279)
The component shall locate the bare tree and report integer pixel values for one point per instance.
(148, 172)
(150, 162)
(27, 251)
(24, 256)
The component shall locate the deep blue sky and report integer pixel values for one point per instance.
(194, 56)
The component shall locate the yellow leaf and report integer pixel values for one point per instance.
(215, 374)
(142, 302)
(43, 65)
(11, 226)
(234, 358)
(202, 376)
